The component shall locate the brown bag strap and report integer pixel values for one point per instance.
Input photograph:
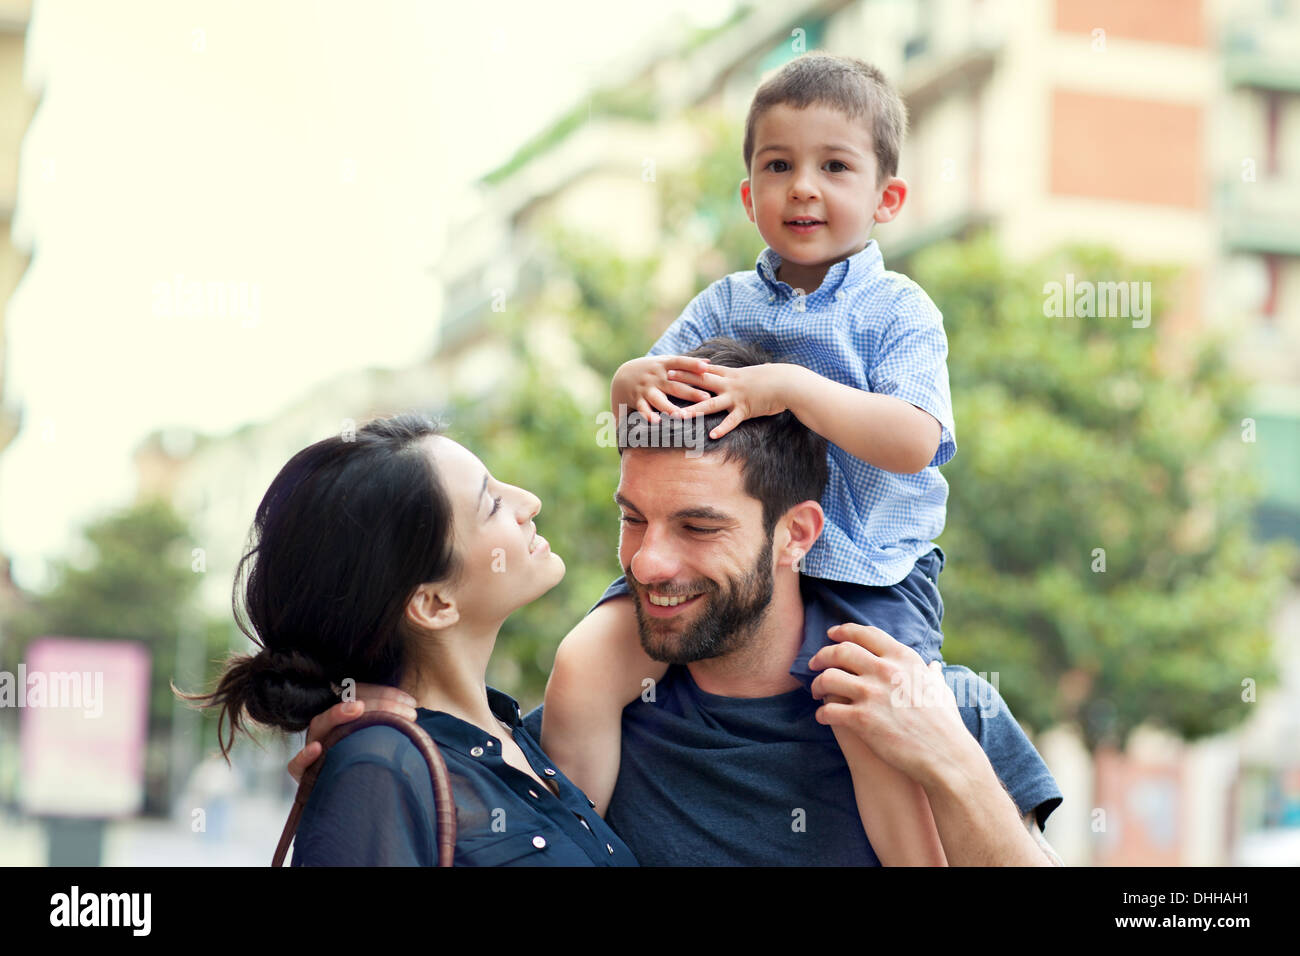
(443, 804)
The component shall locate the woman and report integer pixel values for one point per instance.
(394, 558)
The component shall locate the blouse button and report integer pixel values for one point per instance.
(489, 743)
(584, 823)
(533, 793)
(476, 751)
(549, 772)
(540, 841)
(610, 849)
(591, 803)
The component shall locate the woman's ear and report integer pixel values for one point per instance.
(430, 611)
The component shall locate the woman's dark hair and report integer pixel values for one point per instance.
(349, 528)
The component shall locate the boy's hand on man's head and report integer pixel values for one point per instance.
(750, 392)
(645, 384)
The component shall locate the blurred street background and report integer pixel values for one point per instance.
(233, 229)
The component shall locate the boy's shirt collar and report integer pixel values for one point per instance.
(842, 276)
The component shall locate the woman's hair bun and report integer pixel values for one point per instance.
(287, 689)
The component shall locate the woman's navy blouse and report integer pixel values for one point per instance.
(373, 802)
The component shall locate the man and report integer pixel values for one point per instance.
(727, 760)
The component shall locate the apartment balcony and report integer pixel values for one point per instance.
(515, 273)
(1261, 217)
(1263, 55)
(931, 77)
(953, 50)
(1278, 512)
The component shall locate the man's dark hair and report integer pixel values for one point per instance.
(782, 461)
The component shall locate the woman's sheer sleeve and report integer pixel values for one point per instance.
(372, 806)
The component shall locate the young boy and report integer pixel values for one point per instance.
(862, 362)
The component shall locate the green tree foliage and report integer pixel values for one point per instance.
(1085, 443)
(134, 582)
(1074, 434)
(702, 203)
(539, 433)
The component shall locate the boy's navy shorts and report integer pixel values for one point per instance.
(910, 611)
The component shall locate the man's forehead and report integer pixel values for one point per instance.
(703, 480)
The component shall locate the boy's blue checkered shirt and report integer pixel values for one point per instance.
(869, 328)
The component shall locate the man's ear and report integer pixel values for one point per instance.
(430, 610)
(747, 198)
(800, 528)
(891, 201)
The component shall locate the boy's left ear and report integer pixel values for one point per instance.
(891, 199)
(747, 198)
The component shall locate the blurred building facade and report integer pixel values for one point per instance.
(17, 105)
(16, 108)
(1169, 130)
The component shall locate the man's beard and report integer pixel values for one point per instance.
(726, 622)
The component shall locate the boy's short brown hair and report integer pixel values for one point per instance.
(857, 89)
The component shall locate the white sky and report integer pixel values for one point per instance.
(295, 153)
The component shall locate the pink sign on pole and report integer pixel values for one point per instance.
(84, 721)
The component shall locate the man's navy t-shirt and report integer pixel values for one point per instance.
(724, 781)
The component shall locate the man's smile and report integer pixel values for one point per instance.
(662, 605)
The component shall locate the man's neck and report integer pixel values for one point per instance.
(762, 667)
